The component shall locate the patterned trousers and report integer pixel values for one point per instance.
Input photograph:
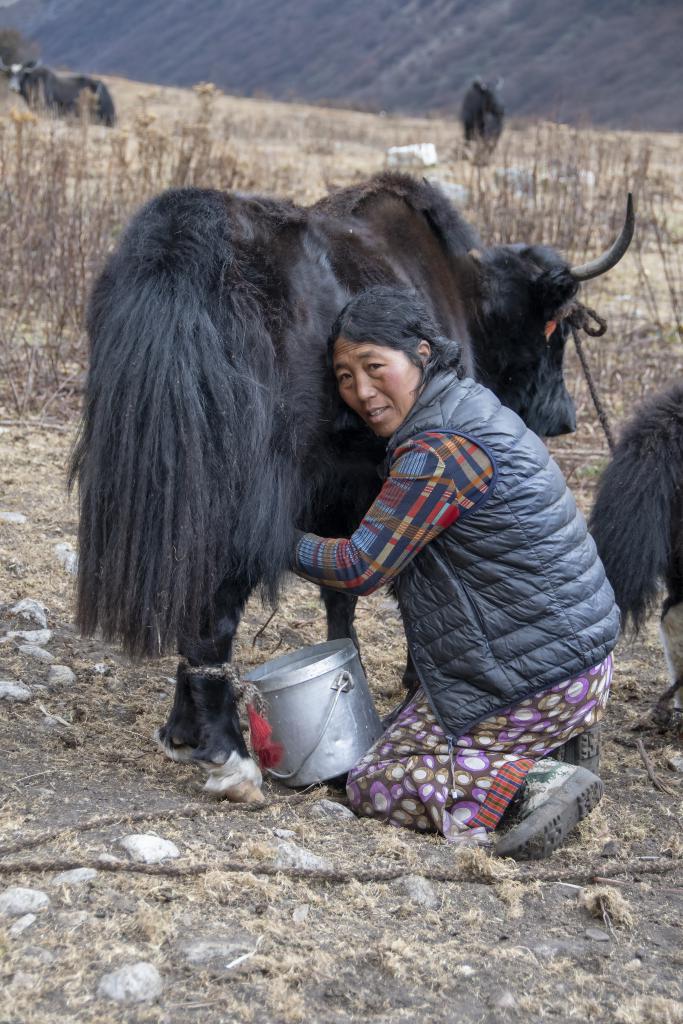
(413, 777)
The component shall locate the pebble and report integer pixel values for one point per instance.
(29, 636)
(102, 669)
(284, 833)
(202, 951)
(109, 858)
(505, 1001)
(289, 855)
(32, 610)
(301, 913)
(33, 651)
(610, 849)
(331, 809)
(596, 934)
(67, 557)
(420, 891)
(149, 848)
(136, 983)
(77, 876)
(60, 675)
(17, 901)
(14, 691)
(22, 923)
(675, 762)
(12, 517)
(24, 980)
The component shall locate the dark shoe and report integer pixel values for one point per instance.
(553, 799)
(582, 750)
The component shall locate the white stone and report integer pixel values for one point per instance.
(29, 636)
(136, 983)
(67, 557)
(420, 891)
(17, 901)
(14, 691)
(149, 848)
(675, 762)
(12, 517)
(109, 858)
(33, 651)
(420, 154)
(32, 610)
(77, 876)
(102, 669)
(331, 809)
(60, 675)
(505, 1001)
(300, 913)
(289, 855)
(284, 833)
(22, 923)
(201, 951)
(24, 980)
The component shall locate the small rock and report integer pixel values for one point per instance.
(331, 809)
(464, 969)
(67, 557)
(109, 858)
(77, 876)
(136, 983)
(32, 610)
(202, 951)
(301, 913)
(22, 923)
(17, 901)
(149, 848)
(505, 1001)
(12, 517)
(610, 849)
(40, 955)
(284, 833)
(14, 691)
(33, 651)
(289, 855)
(596, 934)
(102, 669)
(420, 891)
(60, 675)
(29, 636)
(23, 980)
(675, 762)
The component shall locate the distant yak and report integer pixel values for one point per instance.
(482, 113)
(61, 95)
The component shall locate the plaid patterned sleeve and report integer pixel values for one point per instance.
(434, 479)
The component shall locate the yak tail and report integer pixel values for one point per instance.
(183, 479)
(632, 521)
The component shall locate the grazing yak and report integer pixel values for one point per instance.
(637, 524)
(482, 113)
(61, 95)
(210, 428)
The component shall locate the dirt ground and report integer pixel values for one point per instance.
(483, 940)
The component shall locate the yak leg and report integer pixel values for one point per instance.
(203, 725)
(340, 608)
(671, 629)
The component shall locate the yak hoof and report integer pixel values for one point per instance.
(179, 752)
(239, 779)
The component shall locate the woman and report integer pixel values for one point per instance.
(509, 617)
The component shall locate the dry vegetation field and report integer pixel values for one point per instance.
(593, 933)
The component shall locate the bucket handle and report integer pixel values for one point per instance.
(341, 684)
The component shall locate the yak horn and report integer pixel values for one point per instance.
(610, 258)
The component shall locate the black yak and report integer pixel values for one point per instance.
(59, 94)
(637, 524)
(210, 429)
(482, 113)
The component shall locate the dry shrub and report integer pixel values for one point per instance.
(511, 892)
(649, 1010)
(476, 865)
(608, 905)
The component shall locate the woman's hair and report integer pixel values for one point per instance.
(398, 319)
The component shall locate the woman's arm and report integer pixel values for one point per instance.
(434, 479)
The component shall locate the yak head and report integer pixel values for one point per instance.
(526, 296)
(19, 76)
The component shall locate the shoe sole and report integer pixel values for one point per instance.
(547, 828)
(583, 750)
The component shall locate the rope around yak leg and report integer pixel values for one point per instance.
(599, 407)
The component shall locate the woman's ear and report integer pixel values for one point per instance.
(424, 350)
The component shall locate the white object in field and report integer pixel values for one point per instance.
(422, 154)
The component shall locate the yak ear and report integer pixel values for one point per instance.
(554, 289)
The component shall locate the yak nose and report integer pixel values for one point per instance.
(565, 423)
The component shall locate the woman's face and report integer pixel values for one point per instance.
(379, 383)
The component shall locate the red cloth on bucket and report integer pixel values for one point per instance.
(268, 753)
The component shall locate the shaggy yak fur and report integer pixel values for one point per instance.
(211, 431)
(61, 95)
(637, 524)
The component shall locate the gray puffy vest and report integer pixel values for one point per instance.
(513, 599)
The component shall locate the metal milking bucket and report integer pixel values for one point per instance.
(320, 710)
